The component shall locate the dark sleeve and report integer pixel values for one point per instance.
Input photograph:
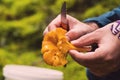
(106, 18)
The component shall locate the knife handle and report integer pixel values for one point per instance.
(64, 26)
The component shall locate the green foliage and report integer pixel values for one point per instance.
(100, 8)
(97, 10)
(21, 30)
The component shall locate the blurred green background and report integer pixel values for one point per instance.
(22, 23)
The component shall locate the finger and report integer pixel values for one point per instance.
(45, 31)
(81, 57)
(87, 39)
(74, 33)
(55, 23)
(89, 59)
(72, 21)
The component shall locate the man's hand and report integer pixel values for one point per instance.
(76, 28)
(106, 58)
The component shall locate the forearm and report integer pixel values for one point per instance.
(106, 18)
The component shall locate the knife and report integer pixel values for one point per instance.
(64, 24)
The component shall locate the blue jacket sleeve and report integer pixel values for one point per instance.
(106, 18)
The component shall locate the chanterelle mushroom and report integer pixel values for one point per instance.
(55, 47)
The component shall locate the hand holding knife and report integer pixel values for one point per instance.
(64, 23)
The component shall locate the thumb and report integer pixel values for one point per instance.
(86, 59)
(86, 40)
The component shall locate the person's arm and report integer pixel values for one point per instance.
(106, 18)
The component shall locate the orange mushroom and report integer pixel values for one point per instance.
(55, 47)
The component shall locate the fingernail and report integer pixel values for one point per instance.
(73, 42)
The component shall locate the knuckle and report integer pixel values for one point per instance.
(72, 35)
(98, 32)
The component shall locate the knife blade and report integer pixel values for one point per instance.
(64, 24)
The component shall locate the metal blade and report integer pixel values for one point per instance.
(63, 17)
